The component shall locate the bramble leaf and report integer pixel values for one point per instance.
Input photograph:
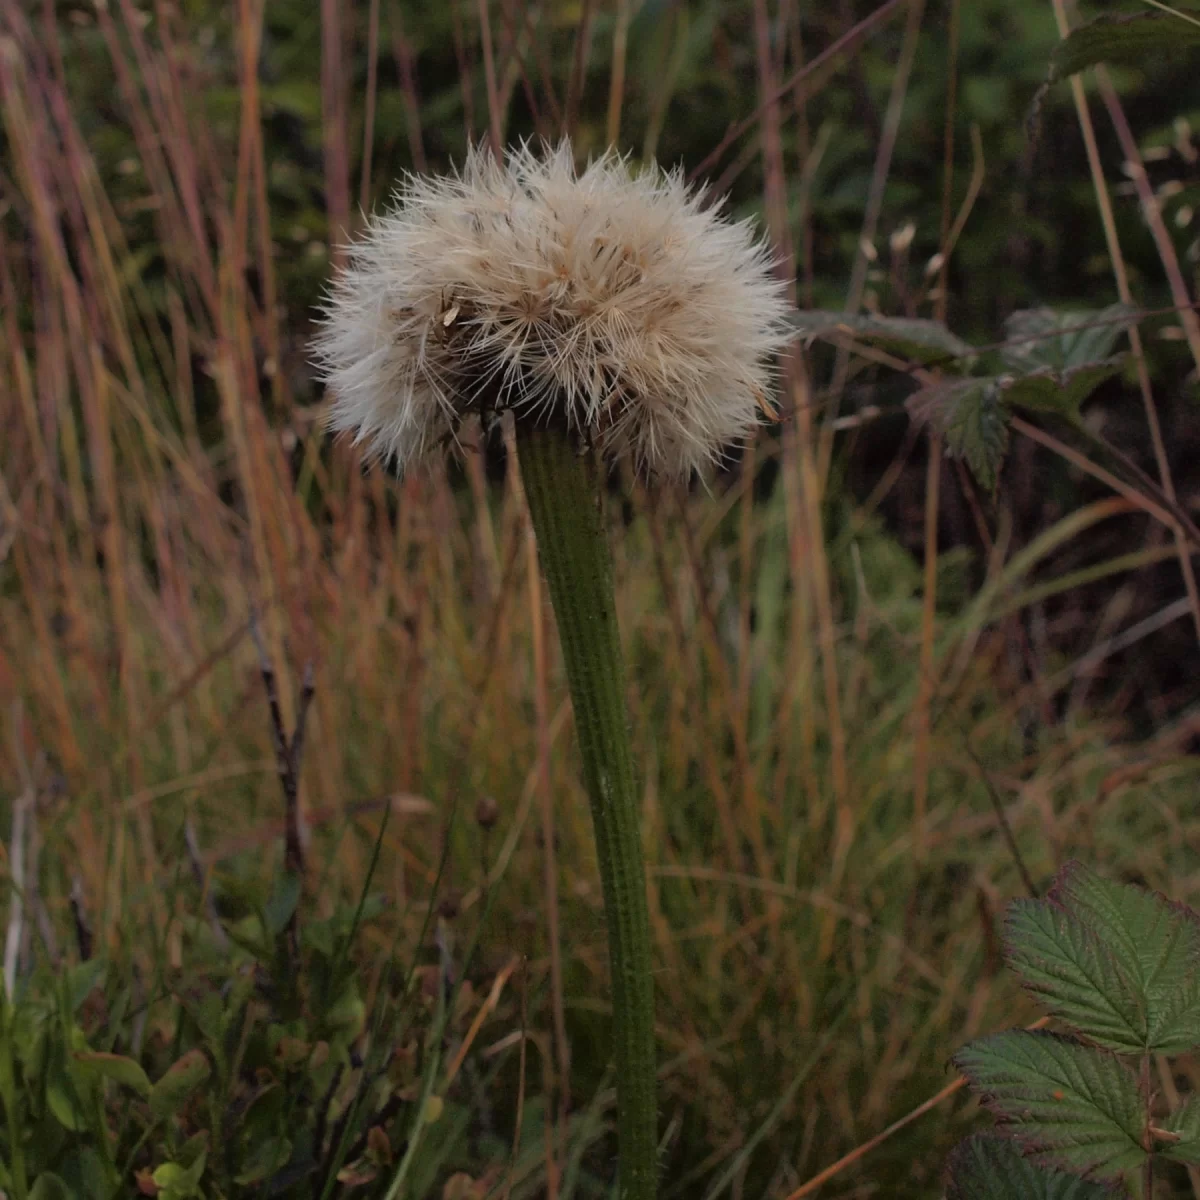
(972, 416)
(987, 1167)
(915, 338)
(1123, 39)
(1178, 1136)
(1063, 341)
(1047, 390)
(1156, 945)
(1073, 1105)
(1067, 965)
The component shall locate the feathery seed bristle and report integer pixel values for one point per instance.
(608, 298)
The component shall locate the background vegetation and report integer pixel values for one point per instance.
(865, 691)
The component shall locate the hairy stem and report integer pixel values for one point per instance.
(562, 489)
(1147, 1093)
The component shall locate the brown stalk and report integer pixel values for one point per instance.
(406, 65)
(545, 67)
(364, 184)
(495, 116)
(463, 60)
(1170, 262)
(798, 455)
(1179, 293)
(513, 67)
(844, 44)
(933, 473)
(334, 131)
(583, 43)
(616, 86)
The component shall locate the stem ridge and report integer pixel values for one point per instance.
(562, 490)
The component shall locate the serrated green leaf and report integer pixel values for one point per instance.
(1066, 964)
(987, 1167)
(916, 339)
(115, 1067)
(1078, 1106)
(1155, 943)
(973, 418)
(1064, 392)
(1063, 341)
(1139, 39)
(177, 1084)
(1178, 1135)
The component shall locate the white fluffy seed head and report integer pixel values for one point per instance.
(610, 300)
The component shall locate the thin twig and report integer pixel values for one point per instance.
(847, 1160)
(296, 750)
(287, 756)
(1005, 826)
(287, 751)
(1172, 520)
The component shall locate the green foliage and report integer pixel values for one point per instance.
(1125, 39)
(1121, 968)
(1183, 1124)
(1113, 960)
(1043, 339)
(915, 338)
(1082, 1108)
(1050, 362)
(971, 415)
(986, 1167)
(244, 1072)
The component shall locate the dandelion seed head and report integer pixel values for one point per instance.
(609, 299)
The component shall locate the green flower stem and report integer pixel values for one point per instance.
(562, 489)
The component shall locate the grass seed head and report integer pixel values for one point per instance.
(608, 299)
